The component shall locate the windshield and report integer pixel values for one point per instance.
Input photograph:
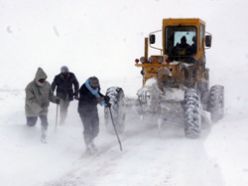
(180, 40)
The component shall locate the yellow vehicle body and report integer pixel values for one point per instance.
(197, 72)
(175, 86)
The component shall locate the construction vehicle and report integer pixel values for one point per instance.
(176, 80)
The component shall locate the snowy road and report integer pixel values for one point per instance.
(150, 157)
(148, 161)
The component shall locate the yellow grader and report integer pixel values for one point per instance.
(176, 81)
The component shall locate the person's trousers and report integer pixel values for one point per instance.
(91, 126)
(64, 104)
(31, 121)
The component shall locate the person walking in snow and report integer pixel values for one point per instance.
(66, 85)
(38, 96)
(89, 97)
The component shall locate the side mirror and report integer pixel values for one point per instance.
(152, 39)
(208, 40)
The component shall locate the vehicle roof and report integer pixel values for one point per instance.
(182, 21)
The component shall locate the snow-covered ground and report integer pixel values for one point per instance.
(102, 38)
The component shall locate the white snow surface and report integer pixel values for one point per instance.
(103, 38)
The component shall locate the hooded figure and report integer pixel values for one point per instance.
(38, 96)
(89, 97)
(66, 86)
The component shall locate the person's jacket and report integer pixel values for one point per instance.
(63, 83)
(38, 96)
(87, 101)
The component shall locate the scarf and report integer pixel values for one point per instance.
(94, 92)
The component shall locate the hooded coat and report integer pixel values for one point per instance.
(38, 96)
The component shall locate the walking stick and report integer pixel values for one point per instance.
(116, 133)
(56, 119)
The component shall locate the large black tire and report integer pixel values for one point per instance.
(216, 102)
(192, 114)
(117, 100)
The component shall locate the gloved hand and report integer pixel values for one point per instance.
(57, 101)
(76, 97)
(106, 100)
(108, 105)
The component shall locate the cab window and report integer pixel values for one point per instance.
(180, 40)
